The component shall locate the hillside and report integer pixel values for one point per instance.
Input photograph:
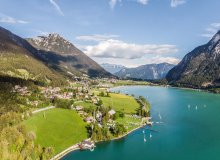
(20, 60)
(65, 57)
(200, 67)
(149, 71)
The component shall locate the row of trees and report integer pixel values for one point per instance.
(144, 109)
(98, 133)
(102, 94)
(63, 103)
(17, 143)
(100, 130)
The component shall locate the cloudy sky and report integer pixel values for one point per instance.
(126, 32)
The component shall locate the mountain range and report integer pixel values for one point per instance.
(200, 67)
(63, 55)
(112, 68)
(53, 59)
(44, 59)
(146, 72)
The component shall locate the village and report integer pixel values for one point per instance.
(99, 108)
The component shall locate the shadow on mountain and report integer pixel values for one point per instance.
(96, 73)
(7, 80)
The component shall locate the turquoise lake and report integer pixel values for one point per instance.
(190, 128)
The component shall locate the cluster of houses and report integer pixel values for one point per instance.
(97, 117)
(51, 93)
(21, 90)
(33, 103)
(80, 93)
(84, 115)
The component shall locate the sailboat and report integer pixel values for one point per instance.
(151, 135)
(189, 106)
(159, 116)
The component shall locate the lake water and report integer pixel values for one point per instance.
(186, 133)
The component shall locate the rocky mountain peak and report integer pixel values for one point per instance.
(199, 67)
(214, 41)
(148, 71)
(216, 37)
(53, 42)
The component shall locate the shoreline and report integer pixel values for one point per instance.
(170, 86)
(75, 146)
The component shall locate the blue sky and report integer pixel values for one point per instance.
(126, 32)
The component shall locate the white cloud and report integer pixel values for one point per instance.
(57, 7)
(138, 62)
(8, 19)
(175, 3)
(43, 33)
(144, 2)
(211, 30)
(112, 48)
(112, 3)
(159, 59)
(97, 37)
(207, 35)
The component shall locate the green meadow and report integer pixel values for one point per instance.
(58, 128)
(121, 102)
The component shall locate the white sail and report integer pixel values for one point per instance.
(189, 106)
(160, 116)
(145, 139)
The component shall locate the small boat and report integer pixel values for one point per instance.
(143, 131)
(159, 116)
(196, 107)
(204, 105)
(151, 135)
(145, 139)
(189, 106)
(92, 149)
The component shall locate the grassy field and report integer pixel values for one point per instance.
(60, 128)
(85, 104)
(121, 102)
(130, 82)
(129, 122)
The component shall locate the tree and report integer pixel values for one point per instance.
(118, 129)
(20, 145)
(101, 94)
(121, 114)
(62, 103)
(105, 132)
(100, 102)
(97, 133)
(116, 116)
